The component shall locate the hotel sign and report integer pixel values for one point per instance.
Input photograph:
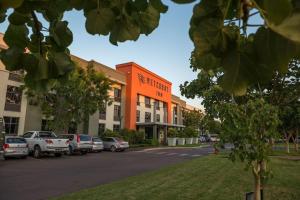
(153, 83)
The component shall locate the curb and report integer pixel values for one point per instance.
(159, 148)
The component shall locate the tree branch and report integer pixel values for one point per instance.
(37, 30)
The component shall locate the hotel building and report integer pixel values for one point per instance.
(142, 100)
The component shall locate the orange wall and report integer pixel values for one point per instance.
(142, 81)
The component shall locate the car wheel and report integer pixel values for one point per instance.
(83, 152)
(4, 158)
(24, 157)
(57, 154)
(70, 152)
(113, 148)
(37, 152)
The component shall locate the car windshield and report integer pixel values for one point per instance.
(15, 141)
(28, 135)
(97, 140)
(47, 135)
(85, 138)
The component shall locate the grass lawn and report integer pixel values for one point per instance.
(212, 177)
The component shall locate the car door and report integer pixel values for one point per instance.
(29, 137)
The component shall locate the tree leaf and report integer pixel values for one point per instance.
(16, 36)
(273, 50)
(17, 18)
(159, 6)
(11, 58)
(125, 29)
(10, 3)
(99, 21)
(148, 20)
(62, 34)
(278, 10)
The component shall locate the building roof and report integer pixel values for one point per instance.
(111, 73)
(143, 69)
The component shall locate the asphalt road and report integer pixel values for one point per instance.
(33, 179)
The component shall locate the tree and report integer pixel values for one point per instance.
(218, 30)
(250, 127)
(73, 100)
(192, 118)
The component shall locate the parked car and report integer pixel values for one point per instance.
(14, 146)
(214, 138)
(78, 143)
(115, 144)
(45, 142)
(97, 144)
(202, 138)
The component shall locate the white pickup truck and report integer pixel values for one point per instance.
(41, 142)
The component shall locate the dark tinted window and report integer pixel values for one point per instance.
(27, 135)
(15, 140)
(46, 134)
(85, 138)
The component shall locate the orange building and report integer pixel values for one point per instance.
(148, 101)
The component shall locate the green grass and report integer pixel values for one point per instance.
(212, 177)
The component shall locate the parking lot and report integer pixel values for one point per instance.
(50, 176)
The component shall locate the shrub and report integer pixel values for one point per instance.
(132, 136)
(190, 131)
(110, 133)
(181, 134)
(172, 133)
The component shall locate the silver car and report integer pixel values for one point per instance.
(97, 144)
(115, 144)
(78, 143)
(14, 146)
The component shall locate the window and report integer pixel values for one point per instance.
(138, 100)
(116, 128)
(101, 129)
(16, 76)
(147, 102)
(175, 120)
(164, 105)
(11, 125)
(102, 113)
(27, 135)
(157, 105)
(175, 110)
(117, 112)
(138, 115)
(13, 99)
(45, 125)
(157, 118)
(47, 134)
(117, 94)
(16, 141)
(147, 117)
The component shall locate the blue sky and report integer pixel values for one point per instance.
(166, 51)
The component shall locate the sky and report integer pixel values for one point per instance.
(166, 51)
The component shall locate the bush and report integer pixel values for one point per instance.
(181, 134)
(110, 133)
(172, 133)
(132, 136)
(190, 131)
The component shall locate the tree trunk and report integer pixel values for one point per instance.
(257, 181)
(287, 146)
(86, 121)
